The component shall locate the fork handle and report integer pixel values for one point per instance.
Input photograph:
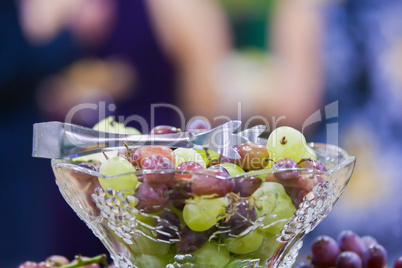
(76, 142)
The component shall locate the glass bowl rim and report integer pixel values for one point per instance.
(347, 159)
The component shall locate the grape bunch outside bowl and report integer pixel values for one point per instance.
(157, 206)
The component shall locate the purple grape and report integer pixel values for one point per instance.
(167, 226)
(181, 191)
(208, 183)
(375, 257)
(178, 198)
(348, 259)
(398, 263)
(368, 241)
(325, 250)
(247, 186)
(349, 241)
(242, 218)
(191, 240)
(315, 164)
(304, 265)
(286, 176)
(158, 162)
(164, 130)
(151, 197)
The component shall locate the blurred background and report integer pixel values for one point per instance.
(279, 59)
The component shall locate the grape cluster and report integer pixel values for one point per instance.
(194, 201)
(348, 251)
(57, 261)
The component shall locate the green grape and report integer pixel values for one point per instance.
(149, 261)
(286, 142)
(309, 153)
(200, 213)
(241, 262)
(110, 126)
(245, 244)
(146, 220)
(138, 184)
(115, 166)
(146, 245)
(233, 169)
(213, 156)
(271, 202)
(186, 154)
(268, 248)
(211, 255)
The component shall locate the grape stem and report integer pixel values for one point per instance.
(128, 149)
(103, 152)
(101, 259)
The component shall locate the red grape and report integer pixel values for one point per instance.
(164, 130)
(398, 263)
(298, 188)
(368, 241)
(221, 169)
(151, 197)
(348, 259)
(252, 156)
(144, 152)
(349, 241)
(58, 260)
(28, 264)
(188, 166)
(325, 250)
(208, 183)
(286, 176)
(44, 265)
(197, 124)
(158, 162)
(375, 257)
(315, 164)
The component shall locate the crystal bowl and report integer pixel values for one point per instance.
(143, 238)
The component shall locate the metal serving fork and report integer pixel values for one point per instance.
(64, 140)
